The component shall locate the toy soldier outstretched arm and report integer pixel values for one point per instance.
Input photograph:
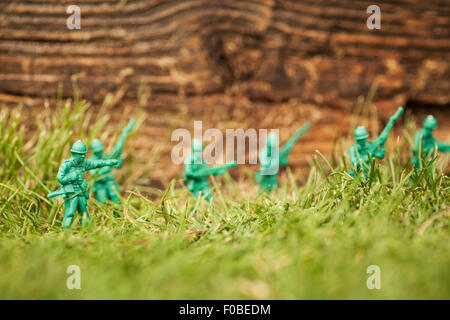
(66, 177)
(443, 147)
(94, 164)
(119, 161)
(287, 148)
(117, 150)
(381, 139)
(216, 171)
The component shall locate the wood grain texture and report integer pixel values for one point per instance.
(317, 50)
(249, 59)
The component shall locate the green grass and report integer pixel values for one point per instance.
(305, 241)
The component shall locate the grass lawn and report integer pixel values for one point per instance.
(305, 241)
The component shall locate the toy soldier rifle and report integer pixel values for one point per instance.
(56, 193)
(444, 147)
(216, 171)
(61, 192)
(287, 148)
(381, 139)
(117, 150)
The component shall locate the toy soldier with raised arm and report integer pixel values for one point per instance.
(362, 151)
(105, 187)
(425, 143)
(197, 171)
(74, 188)
(271, 158)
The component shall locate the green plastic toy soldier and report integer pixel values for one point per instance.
(197, 171)
(362, 150)
(74, 188)
(105, 187)
(271, 158)
(424, 137)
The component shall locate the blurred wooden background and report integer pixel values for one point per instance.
(232, 63)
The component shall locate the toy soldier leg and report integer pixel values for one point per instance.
(419, 164)
(415, 161)
(112, 192)
(82, 210)
(203, 192)
(101, 195)
(268, 183)
(207, 193)
(113, 196)
(70, 207)
(362, 170)
(266, 188)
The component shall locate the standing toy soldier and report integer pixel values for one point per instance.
(105, 187)
(74, 188)
(425, 143)
(197, 171)
(271, 158)
(362, 150)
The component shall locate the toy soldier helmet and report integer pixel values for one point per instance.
(79, 147)
(430, 122)
(272, 140)
(360, 133)
(196, 145)
(97, 146)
